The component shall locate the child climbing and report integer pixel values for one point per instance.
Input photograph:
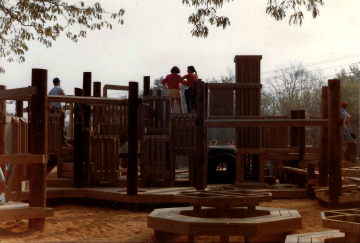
(173, 88)
(2, 188)
(191, 78)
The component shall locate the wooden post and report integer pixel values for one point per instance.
(200, 136)
(19, 108)
(146, 86)
(324, 159)
(87, 92)
(3, 128)
(301, 137)
(310, 175)
(294, 131)
(38, 144)
(97, 109)
(132, 172)
(79, 157)
(335, 141)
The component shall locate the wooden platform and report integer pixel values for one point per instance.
(324, 236)
(17, 211)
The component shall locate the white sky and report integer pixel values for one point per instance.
(156, 36)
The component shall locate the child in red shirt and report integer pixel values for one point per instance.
(173, 88)
(191, 78)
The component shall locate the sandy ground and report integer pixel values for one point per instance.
(109, 223)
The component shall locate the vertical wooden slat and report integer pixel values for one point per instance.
(152, 159)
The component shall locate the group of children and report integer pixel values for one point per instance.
(172, 84)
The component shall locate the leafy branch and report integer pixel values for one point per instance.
(45, 20)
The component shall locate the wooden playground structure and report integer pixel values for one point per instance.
(100, 128)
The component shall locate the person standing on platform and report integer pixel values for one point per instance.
(191, 78)
(173, 88)
(56, 108)
(213, 142)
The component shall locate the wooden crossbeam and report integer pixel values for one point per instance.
(18, 94)
(267, 123)
(235, 85)
(86, 100)
(22, 159)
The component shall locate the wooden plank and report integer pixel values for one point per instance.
(22, 159)
(266, 123)
(18, 94)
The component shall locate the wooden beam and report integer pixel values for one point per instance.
(23, 159)
(132, 173)
(324, 133)
(79, 157)
(87, 93)
(334, 139)
(200, 137)
(234, 85)
(113, 87)
(38, 144)
(86, 100)
(17, 94)
(146, 86)
(267, 123)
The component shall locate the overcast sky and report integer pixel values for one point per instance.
(156, 36)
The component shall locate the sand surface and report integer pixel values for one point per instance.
(104, 223)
